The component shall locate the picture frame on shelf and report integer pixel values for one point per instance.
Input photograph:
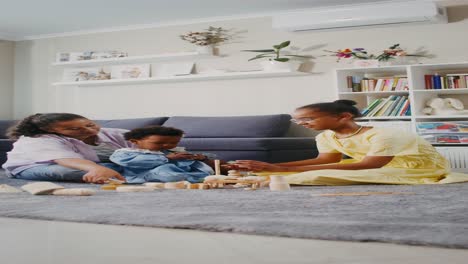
(83, 74)
(172, 69)
(89, 55)
(130, 71)
(62, 57)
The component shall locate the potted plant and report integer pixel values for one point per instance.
(363, 59)
(277, 60)
(207, 40)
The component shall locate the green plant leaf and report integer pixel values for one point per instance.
(284, 44)
(259, 57)
(301, 56)
(281, 59)
(264, 50)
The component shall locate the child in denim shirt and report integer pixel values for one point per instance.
(157, 158)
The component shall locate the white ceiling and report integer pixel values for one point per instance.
(30, 19)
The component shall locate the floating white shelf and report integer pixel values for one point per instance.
(441, 117)
(137, 59)
(374, 93)
(444, 91)
(186, 78)
(384, 118)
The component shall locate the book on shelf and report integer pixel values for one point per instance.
(395, 105)
(448, 81)
(365, 84)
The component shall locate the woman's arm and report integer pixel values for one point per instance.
(95, 172)
(322, 158)
(370, 162)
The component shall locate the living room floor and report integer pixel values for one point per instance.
(50, 242)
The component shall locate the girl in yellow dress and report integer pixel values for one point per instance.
(379, 155)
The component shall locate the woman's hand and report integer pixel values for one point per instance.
(254, 165)
(100, 174)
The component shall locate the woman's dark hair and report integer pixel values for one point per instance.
(335, 107)
(37, 124)
(140, 133)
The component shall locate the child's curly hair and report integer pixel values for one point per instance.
(139, 133)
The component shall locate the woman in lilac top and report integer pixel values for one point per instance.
(63, 147)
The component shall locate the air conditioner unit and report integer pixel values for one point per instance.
(384, 13)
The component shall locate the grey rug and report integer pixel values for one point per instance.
(435, 215)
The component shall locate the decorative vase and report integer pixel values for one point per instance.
(280, 66)
(205, 50)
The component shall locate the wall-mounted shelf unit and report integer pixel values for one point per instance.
(186, 78)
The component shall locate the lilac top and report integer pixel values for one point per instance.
(43, 150)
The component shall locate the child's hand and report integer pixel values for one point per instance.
(199, 157)
(179, 156)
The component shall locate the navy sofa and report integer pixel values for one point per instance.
(230, 137)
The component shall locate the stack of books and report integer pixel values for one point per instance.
(395, 105)
(380, 84)
(448, 81)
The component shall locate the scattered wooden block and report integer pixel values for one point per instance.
(109, 187)
(203, 186)
(193, 186)
(38, 188)
(174, 185)
(155, 185)
(5, 188)
(74, 192)
(134, 189)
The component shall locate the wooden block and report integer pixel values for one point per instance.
(134, 189)
(5, 188)
(174, 185)
(154, 185)
(74, 192)
(38, 188)
(193, 186)
(203, 186)
(109, 187)
(115, 182)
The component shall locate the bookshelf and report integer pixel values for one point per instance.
(448, 133)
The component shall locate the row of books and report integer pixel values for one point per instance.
(449, 81)
(360, 84)
(395, 105)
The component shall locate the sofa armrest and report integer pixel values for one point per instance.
(5, 146)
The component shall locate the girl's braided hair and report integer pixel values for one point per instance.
(335, 107)
(37, 124)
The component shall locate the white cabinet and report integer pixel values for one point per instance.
(448, 132)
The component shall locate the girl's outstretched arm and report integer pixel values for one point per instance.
(369, 162)
(322, 158)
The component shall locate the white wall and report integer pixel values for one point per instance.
(6, 79)
(33, 92)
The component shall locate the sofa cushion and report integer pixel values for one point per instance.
(4, 125)
(248, 143)
(132, 123)
(231, 126)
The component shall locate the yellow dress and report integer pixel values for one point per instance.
(415, 160)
